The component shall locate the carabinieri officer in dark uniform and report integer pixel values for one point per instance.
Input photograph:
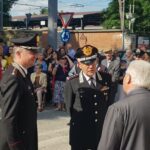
(18, 123)
(85, 97)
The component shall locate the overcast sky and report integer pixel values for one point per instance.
(65, 5)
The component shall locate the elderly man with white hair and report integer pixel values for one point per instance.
(129, 56)
(127, 122)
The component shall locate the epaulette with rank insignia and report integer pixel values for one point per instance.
(72, 77)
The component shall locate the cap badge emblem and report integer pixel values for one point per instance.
(87, 51)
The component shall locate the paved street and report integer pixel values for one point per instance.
(53, 130)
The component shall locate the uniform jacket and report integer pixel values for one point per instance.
(87, 107)
(127, 123)
(42, 80)
(18, 126)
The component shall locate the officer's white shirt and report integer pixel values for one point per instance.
(88, 78)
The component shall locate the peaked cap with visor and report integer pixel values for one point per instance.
(87, 54)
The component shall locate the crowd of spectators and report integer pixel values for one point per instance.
(52, 67)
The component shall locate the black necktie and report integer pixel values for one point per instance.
(92, 83)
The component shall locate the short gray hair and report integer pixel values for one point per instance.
(140, 73)
(15, 50)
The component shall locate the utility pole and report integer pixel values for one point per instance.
(133, 19)
(122, 18)
(52, 22)
(130, 17)
(27, 20)
(1, 15)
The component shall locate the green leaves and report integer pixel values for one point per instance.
(7, 5)
(142, 15)
(44, 11)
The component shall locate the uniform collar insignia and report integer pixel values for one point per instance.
(19, 68)
(81, 80)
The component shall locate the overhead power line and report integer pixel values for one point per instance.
(62, 4)
(31, 5)
(28, 5)
(76, 5)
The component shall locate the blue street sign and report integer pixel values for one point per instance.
(65, 35)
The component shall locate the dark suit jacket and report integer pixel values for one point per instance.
(87, 107)
(18, 127)
(127, 123)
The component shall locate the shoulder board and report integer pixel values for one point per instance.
(72, 77)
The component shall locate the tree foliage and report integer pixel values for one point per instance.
(142, 15)
(111, 15)
(44, 11)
